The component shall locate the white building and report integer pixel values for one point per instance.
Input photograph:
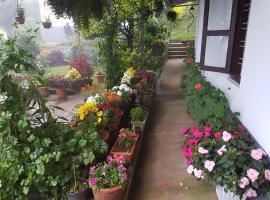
(233, 49)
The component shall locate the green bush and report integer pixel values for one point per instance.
(36, 152)
(138, 114)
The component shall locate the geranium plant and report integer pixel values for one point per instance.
(225, 159)
(127, 138)
(110, 174)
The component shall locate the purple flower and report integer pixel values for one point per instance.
(92, 170)
(93, 181)
(121, 168)
(110, 160)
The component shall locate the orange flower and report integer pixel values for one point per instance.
(112, 98)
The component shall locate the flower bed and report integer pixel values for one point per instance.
(219, 151)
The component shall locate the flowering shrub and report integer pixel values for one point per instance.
(226, 159)
(81, 64)
(59, 82)
(127, 138)
(56, 58)
(110, 174)
(124, 91)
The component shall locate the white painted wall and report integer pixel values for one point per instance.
(252, 97)
(199, 31)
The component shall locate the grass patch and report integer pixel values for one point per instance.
(56, 71)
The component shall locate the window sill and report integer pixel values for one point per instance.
(233, 81)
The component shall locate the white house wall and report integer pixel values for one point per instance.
(252, 97)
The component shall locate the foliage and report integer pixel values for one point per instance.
(206, 104)
(36, 152)
(56, 58)
(138, 114)
(90, 90)
(127, 138)
(81, 64)
(110, 174)
(73, 75)
(226, 159)
(20, 11)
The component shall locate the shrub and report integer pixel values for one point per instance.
(59, 82)
(138, 114)
(81, 64)
(56, 58)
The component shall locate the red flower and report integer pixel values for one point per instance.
(218, 135)
(189, 61)
(193, 142)
(198, 86)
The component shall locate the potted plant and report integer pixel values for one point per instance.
(75, 79)
(109, 179)
(60, 83)
(125, 144)
(47, 23)
(228, 161)
(138, 117)
(78, 190)
(20, 18)
(100, 77)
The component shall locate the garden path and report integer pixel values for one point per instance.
(161, 172)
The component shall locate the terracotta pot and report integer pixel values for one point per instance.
(61, 93)
(100, 78)
(20, 19)
(44, 91)
(114, 126)
(109, 193)
(128, 155)
(83, 195)
(104, 135)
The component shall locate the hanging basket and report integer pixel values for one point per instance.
(47, 25)
(171, 15)
(20, 19)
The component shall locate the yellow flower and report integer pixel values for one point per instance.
(99, 114)
(86, 109)
(73, 74)
(132, 71)
(99, 120)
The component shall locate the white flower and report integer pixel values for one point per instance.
(190, 169)
(119, 93)
(203, 150)
(0, 183)
(226, 136)
(24, 85)
(3, 98)
(222, 150)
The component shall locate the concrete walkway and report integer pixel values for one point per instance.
(161, 172)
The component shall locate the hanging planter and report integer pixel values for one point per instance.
(171, 15)
(47, 23)
(20, 18)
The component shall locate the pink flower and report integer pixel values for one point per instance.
(92, 170)
(257, 154)
(222, 150)
(209, 165)
(243, 182)
(119, 158)
(93, 181)
(125, 177)
(226, 136)
(184, 130)
(198, 173)
(121, 168)
(251, 193)
(218, 135)
(207, 132)
(193, 142)
(190, 169)
(202, 150)
(241, 128)
(252, 174)
(110, 160)
(267, 174)
(198, 134)
(198, 86)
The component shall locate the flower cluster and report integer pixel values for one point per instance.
(128, 75)
(73, 75)
(112, 98)
(3, 98)
(127, 138)
(110, 174)
(87, 109)
(226, 159)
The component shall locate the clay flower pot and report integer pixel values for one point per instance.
(114, 126)
(100, 78)
(61, 93)
(109, 193)
(104, 135)
(20, 19)
(83, 195)
(128, 154)
(44, 91)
